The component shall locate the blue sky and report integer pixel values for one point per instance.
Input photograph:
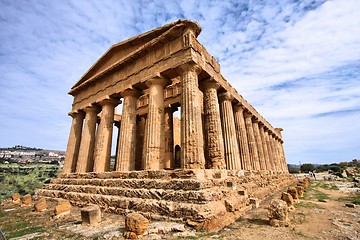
(296, 62)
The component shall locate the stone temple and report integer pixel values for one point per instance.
(228, 159)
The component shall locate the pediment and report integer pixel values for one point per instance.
(117, 52)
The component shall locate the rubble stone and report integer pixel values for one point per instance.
(288, 199)
(91, 215)
(40, 205)
(15, 197)
(300, 190)
(294, 193)
(135, 223)
(62, 208)
(278, 213)
(26, 200)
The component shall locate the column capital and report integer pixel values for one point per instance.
(255, 119)
(209, 84)
(225, 96)
(158, 80)
(130, 92)
(248, 114)
(92, 108)
(76, 113)
(190, 66)
(239, 107)
(109, 101)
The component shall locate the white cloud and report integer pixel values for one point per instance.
(297, 62)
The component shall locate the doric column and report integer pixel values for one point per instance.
(242, 136)
(232, 156)
(85, 161)
(104, 136)
(275, 154)
(127, 140)
(254, 157)
(270, 151)
(214, 142)
(264, 146)
(192, 151)
(169, 138)
(154, 139)
(258, 143)
(140, 132)
(72, 149)
(278, 156)
(281, 150)
(286, 170)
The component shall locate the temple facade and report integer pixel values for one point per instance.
(152, 76)
(228, 158)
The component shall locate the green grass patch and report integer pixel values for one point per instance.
(329, 186)
(25, 231)
(353, 199)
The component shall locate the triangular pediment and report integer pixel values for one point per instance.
(119, 51)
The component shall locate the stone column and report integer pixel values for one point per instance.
(192, 152)
(286, 170)
(85, 161)
(104, 136)
(232, 156)
(214, 142)
(242, 136)
(258, 143)
(274, 150)
(254, 157)
(154, 139)
(140, 131)
(264, 146)
(169, 138)
(281, 150)
(270, 151)
(127, 141)
(72, 149)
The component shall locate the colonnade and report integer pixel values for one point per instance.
(217, 131)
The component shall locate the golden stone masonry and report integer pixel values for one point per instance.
(226, 146)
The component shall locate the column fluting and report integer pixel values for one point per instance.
(192, 150)
(214, 142)
(154, 138)
(127, 140)
(72, 149)
(242, 136)
(254, 157)
(232, 156)
(85, 161)
(104, 136)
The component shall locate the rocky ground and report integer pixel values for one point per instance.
(320, 214)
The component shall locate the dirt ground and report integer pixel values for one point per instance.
(320, 214)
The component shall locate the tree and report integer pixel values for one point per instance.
(307, 167)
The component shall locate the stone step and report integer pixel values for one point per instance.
(172, 209)
(174, 184)
(190, 196)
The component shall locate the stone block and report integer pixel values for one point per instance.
(278, 213)
(15, 197)
(63, 207)
(26, 200)
(300, 190)
(91, 215)
(287, 198)
(40, 205)
(293, 192)
(136, 223)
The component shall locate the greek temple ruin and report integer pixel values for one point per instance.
(229, 156)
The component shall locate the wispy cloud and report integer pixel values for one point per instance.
(297, 62)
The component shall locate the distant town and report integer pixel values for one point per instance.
(27, 155)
